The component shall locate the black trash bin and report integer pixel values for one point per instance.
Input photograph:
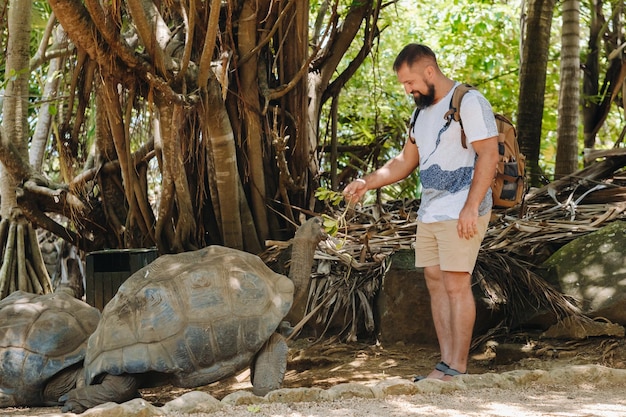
(108, 269)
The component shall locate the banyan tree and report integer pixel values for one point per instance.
(174, 124)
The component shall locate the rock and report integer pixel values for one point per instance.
(488, 381)
(192, 402)
(394, 387)
(403, 303)
(584, 375)
(137, 407)
(349, 390)
(242, 398)
(522, 377)
(570, 328)
(437, 386)
(291, 395)
(578, 375)
(592, 269)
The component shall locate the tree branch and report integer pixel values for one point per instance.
(39, 56)
(285, 88)
(39, 218)
(152, 30)
(269, 35)
(209, 43)
(79, 25)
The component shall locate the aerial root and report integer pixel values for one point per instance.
(22, 264)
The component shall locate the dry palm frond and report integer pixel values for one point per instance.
(344, 299)
(511, 285)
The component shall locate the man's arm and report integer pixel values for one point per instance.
(484, 172)
(396, 169)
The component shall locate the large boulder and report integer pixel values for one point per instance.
(592, 269)
(403, 304)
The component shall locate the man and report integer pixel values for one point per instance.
(456, 196)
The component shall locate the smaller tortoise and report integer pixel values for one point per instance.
(194, 318)
(43, 339)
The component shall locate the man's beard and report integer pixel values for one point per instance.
(424, 100)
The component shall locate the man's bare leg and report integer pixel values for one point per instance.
(462, 315)
(441, 312)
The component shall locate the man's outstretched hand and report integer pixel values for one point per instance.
(354, 192)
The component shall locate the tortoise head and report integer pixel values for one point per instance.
(312, 231)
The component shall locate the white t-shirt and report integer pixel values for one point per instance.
(446, 168)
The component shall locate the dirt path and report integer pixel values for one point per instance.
(324, 366)
(530, 402)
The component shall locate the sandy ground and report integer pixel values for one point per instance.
(324, 366)
(529, 402)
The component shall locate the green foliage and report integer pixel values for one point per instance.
(332, 225)
(329, 196)
(476, 42)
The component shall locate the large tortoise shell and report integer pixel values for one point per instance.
(40, 335)
(197, 316)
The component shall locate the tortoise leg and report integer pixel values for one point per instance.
(112, 388)
(62, 383)
(270, 365)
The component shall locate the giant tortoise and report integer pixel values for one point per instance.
(43, 339)
(193, 318)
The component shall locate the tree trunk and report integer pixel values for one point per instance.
(533, 82)
(591, 74)
(569, 93)
(110, 183)
(176, 209)
(251, 112)
(225, 184)
(320, 87)
(598, 100)
(15, 105)
(303, 158)
(44, 116)
(22, 265)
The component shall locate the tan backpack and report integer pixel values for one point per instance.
(509, 183)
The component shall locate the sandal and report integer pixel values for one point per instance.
(441, 367)
(453, 372)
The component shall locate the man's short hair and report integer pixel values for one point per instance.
(413, 53)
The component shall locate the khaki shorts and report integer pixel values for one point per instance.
(439, 244)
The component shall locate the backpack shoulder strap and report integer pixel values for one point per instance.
(454, 110)
(416, 113)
